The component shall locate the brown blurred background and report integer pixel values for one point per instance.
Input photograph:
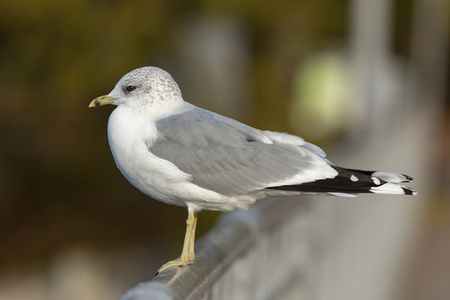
(71, 227)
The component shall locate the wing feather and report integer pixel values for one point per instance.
(231, 158)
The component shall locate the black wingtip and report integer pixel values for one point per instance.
(408, 178)
(351, 181)
(409, 191)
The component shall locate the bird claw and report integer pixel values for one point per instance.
(175, 263)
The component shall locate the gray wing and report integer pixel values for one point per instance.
(231, 158)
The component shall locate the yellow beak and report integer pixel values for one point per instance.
(102, 100)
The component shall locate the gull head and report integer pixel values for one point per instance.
(140, 88)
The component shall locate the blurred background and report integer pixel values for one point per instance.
(337, 73)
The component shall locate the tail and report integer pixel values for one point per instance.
(351, 182)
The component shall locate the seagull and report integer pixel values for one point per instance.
(183, 155)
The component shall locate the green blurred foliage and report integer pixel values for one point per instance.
(58, 181)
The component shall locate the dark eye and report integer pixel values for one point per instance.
(130, 88)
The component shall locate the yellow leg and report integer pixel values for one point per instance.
(188, 254)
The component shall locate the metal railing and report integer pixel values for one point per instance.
(253, 254)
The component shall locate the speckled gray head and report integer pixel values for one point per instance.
(150, 83)
(141, 87)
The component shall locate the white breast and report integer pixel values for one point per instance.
(129, 136)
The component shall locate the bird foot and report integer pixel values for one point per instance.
(176, 263)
